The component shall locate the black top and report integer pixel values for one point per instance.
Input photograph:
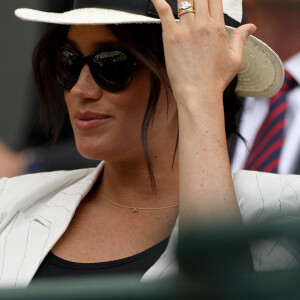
(136, 265)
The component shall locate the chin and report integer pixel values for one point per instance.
(89, 148)
(107, 148)
(90, 152)
(98, 151)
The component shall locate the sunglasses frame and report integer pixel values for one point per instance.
(89, 61)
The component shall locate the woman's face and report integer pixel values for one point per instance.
(107, 125)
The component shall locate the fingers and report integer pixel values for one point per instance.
(202, 9)
(238, 40)
(165, 13)
(216, 10)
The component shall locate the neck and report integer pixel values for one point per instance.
(277, 23)
(129, 183)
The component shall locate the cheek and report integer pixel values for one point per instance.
(139, 88)
(132, 102)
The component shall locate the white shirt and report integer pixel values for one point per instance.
(254, 114)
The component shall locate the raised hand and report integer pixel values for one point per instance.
(198, 56)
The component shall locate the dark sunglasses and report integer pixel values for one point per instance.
(111, 68)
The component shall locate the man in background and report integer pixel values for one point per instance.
(278, 23)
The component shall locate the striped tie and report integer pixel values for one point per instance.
(265, 151)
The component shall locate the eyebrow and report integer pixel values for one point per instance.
(96, 45)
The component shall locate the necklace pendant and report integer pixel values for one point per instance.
(135, 209)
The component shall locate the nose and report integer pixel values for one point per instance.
(86, 88)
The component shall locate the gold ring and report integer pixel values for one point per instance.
(185, 11)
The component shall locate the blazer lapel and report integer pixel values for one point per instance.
(33, 234)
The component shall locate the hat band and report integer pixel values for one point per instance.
(140, 7)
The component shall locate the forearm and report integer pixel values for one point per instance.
(206, 192)
(201, 62)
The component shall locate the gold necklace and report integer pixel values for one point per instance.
(136, 209)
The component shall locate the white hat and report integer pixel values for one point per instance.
(262, 73)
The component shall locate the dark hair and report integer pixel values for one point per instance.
(145, 42)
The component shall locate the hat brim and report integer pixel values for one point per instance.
(262, 72)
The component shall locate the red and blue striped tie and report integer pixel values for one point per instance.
(265, 152)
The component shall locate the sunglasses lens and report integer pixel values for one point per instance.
(112, 69)
(66, 68)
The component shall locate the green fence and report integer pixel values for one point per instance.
(214, 264)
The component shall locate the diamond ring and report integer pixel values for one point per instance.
(185, 7)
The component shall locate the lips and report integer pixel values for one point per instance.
(89, 120)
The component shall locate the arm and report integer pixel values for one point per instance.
(206, 188)
(200, 64)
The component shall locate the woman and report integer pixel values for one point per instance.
(126, 209)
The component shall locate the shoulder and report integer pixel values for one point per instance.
(264, 196)
(18, 194)
(7, 184)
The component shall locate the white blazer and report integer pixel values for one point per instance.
(36, 209)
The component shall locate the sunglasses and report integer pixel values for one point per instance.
(111, 68)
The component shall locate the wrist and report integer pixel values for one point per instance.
(200, 99)
(201, 107)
